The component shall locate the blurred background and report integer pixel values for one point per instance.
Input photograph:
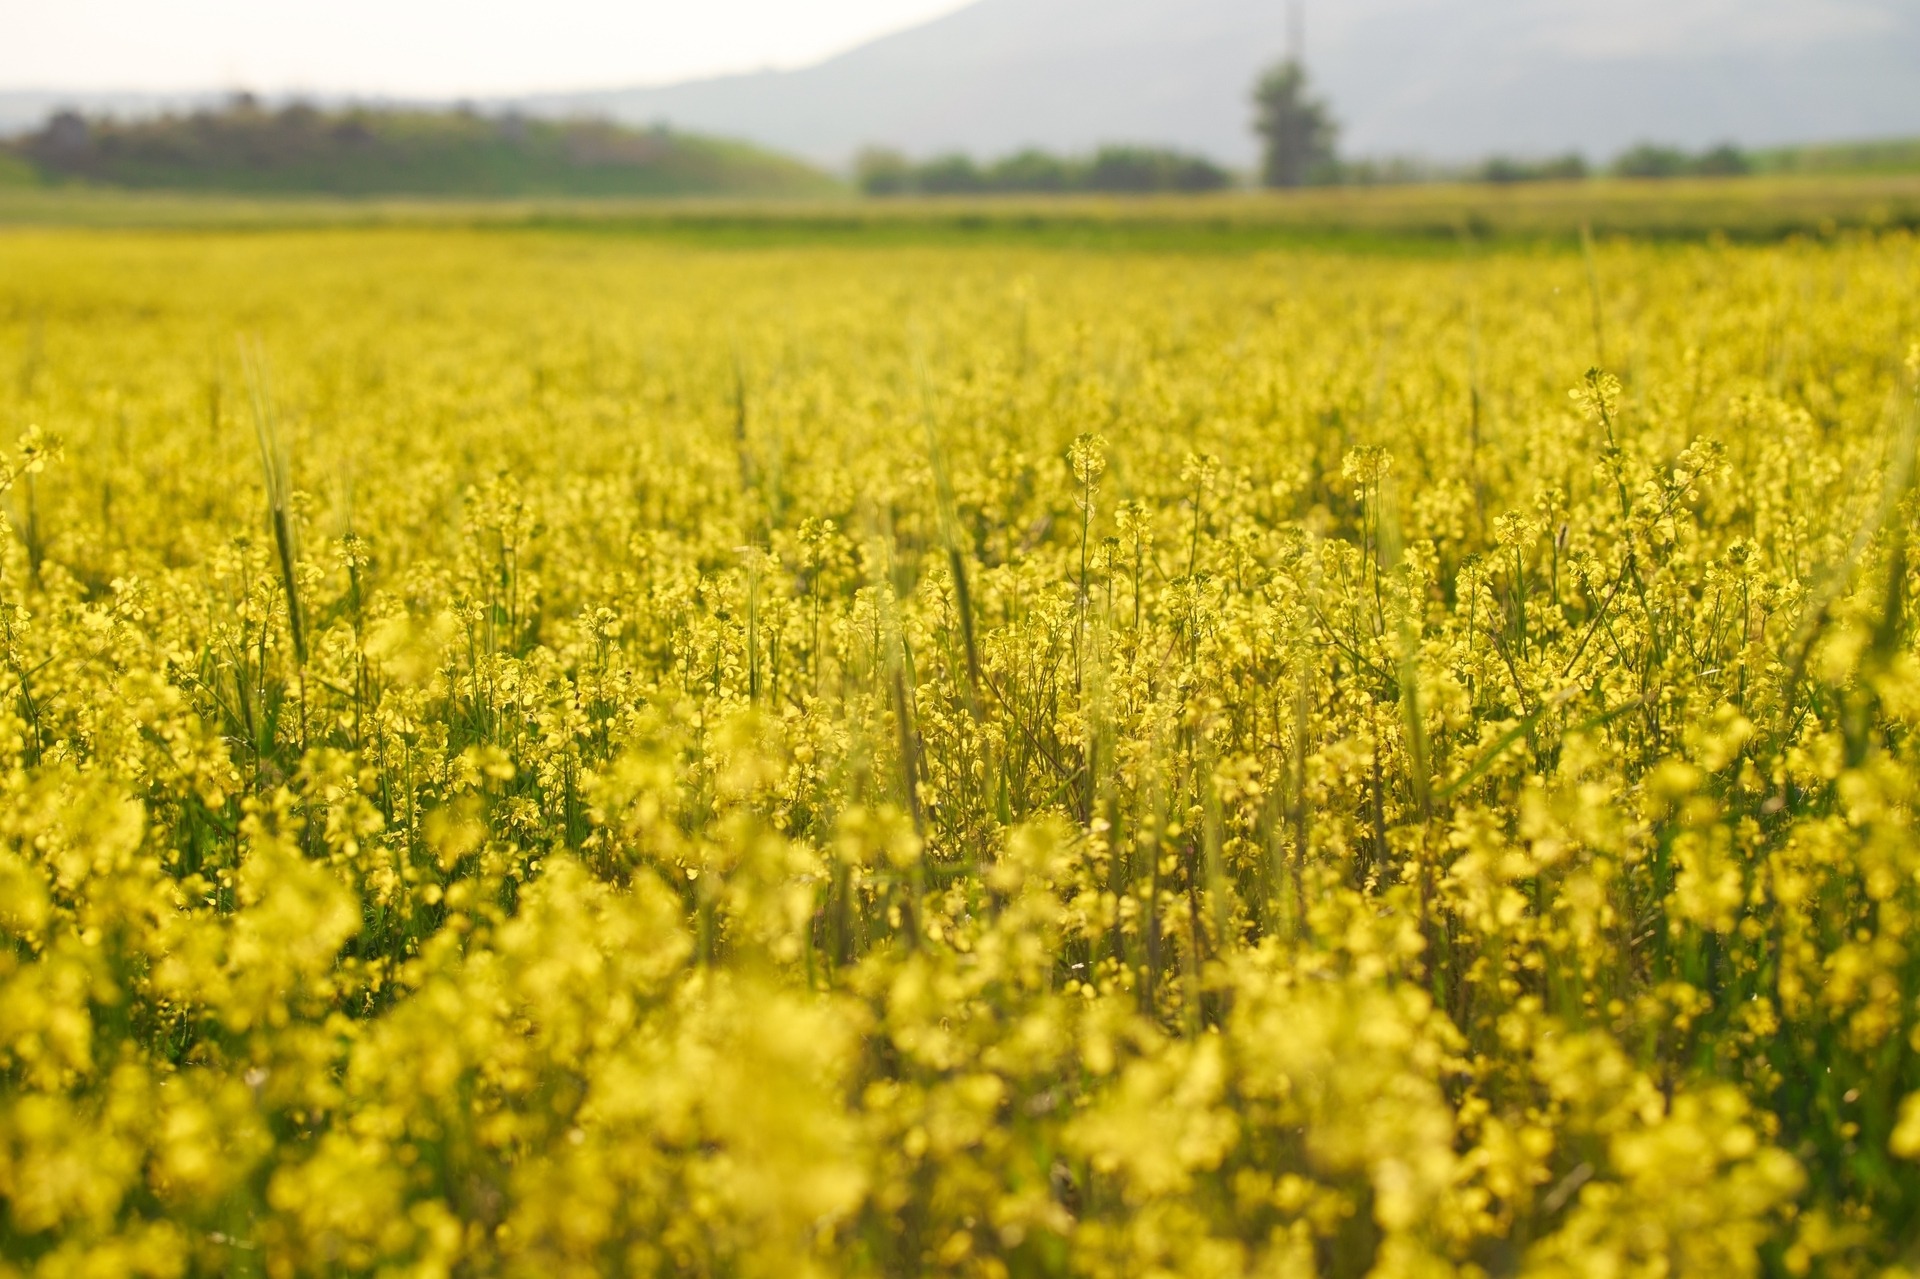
(929, 97)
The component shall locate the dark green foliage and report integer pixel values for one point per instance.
(1570, 167)
(949, 175)
(1034, 170)
(1650, 161)
(1149, 169)
(1296, 129)
(879, 171)
(1725, 160)
(1113, 169)
(245, 147)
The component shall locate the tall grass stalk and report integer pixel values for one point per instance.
(276, 471)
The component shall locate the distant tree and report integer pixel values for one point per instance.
(1503, 169)
(1031, 170)
(879, 171)
(66, 138)
(1152, 169)
(1298, 129)
(954, 174)
(1112, 168)
(1650, 161)
(1725, 160)
(1570, 167)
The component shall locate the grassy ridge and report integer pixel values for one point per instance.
(303, 151)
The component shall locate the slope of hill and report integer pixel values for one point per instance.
(1449, 81)
(300, 149)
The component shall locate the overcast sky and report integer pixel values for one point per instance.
(437, 48)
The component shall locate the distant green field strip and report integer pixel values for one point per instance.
(1401, 219)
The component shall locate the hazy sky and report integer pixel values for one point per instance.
(423, 47)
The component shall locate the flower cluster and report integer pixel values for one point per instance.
(562, 757)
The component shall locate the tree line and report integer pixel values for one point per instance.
(1299, 136)
(1119, 169)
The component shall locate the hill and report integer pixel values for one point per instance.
(1447, 81)
(245, 148)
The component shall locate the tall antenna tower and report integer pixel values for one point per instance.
(1297, 32)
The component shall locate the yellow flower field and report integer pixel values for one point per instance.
(541, 753)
